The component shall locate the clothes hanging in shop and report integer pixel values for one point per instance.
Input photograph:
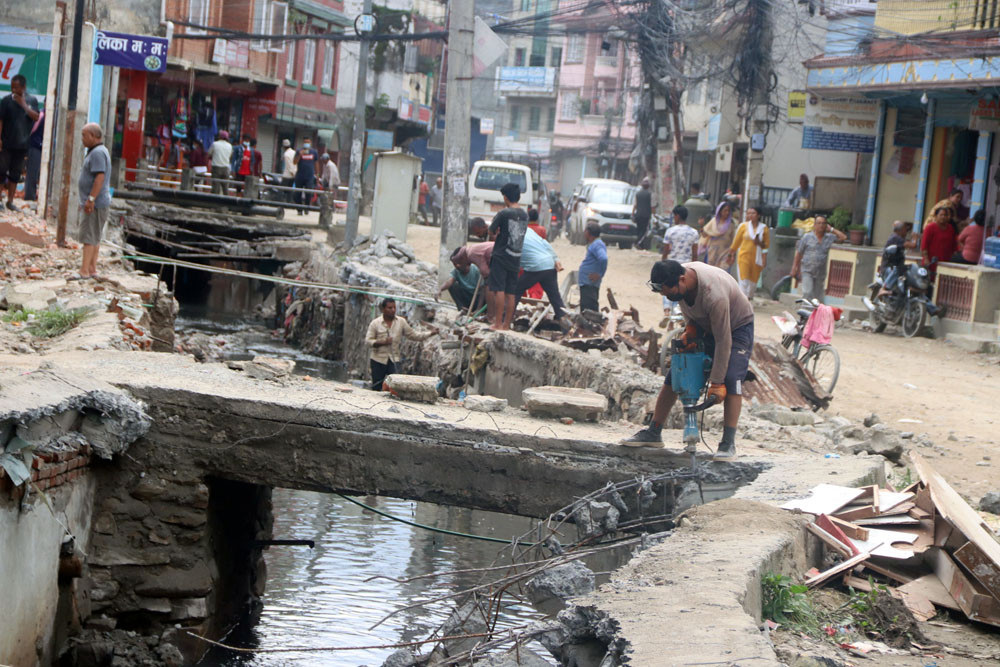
(179, 127)
(205, 125)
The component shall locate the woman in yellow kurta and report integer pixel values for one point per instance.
(749, 249)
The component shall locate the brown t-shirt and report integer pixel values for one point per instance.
(719, 308)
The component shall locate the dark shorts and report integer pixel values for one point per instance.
(12, 164)
(503, 276)
(739, 359)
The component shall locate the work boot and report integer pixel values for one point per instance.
(644, 438)
(725, 452)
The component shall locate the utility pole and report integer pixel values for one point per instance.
(70, 139)
(454, 221)
(365, 28)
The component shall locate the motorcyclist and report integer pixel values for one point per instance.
(557, 209)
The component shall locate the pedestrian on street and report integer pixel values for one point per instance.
(507, 230)
(34, 171)
(437, 200)
(95, 198)
(720, 314)
(288, 168)
(939, 240)
(385, 333)
(533, 290)
(329, 175)
(970, 240)
(809, 265)
(242, 164)
(257, 162)
(592, 268)
(541, 267)
(749, 251)
(680, 243)
(198, 158)
(464, 280)
(642, 213)
(423, 194)
(305, 172)
(18, 113)
(220, 153)
(802, 195)
(717, 236)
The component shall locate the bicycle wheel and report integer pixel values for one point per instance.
(783, 285)
(823, 363)
(913, 317)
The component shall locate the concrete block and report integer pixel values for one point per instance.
(485, 403)
(298, 252)
(28, 297)
(269, 368)
(785, 416)
(579, 404)
(421, 388)
(176, 583)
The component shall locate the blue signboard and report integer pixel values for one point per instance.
(140, 52)
(815, 137)
(379, 140)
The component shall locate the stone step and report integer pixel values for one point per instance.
(579, 404)
(422, 388)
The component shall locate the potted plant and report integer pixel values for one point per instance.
(856, 234)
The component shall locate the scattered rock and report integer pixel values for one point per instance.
(522, 657)
(871, 420)
(560, 583)
(485, 403)
(883, 442)
(786, 416)
(269, 368)
(413, 387)
(580, 404)
(404, 657)
(990, 502)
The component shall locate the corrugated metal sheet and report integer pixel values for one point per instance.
(781, 380)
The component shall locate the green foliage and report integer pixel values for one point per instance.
(787, 603)
(46, 323)
(863, 607)
(17, 315)
(857, 228)
(840, 218)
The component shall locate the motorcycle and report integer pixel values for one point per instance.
(900, 295)
(556, 222)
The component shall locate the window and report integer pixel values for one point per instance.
(534, 119)
(279, 23)
(550, 126)
(570, 105)
(609, 47)
(290, 63)
(494, 178)
(198, 11)
(328, 61)
(518, 57)
(525, 5)
(269, 18)
(537, 60)
(309, 62)
(515, 118)
(556, 59)
(574, 49)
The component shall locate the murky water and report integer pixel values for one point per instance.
(321, 597)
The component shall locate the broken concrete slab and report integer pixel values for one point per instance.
(558, 584)
(580, 404)
(269, 368)
(26, 296)
(421, 388)
(485, 403)
(779, 414)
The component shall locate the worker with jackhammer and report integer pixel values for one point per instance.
(719, 316)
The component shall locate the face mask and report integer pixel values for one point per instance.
(307, 145)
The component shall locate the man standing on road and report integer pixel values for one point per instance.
(288, 168)
(809, 265)
(305, 172)
(95, 198)
(437, 197)
(507, 231)
(592, 268)
(18, 112)
(384, 335)
(717, 310)
(642, 212)
(423, 197)
(220, 152)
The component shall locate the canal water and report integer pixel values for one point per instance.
(323, 597)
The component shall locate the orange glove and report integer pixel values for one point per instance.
(688, 337)
(716, 393)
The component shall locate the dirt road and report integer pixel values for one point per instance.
(946, 390)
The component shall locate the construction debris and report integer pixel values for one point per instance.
(924, 543)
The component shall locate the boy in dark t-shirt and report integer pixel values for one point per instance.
(507, 231)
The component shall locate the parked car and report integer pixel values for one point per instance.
(608, 203)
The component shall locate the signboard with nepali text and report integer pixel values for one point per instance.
(138, 52)
(985, 116)
(26, 53)
(840, 124)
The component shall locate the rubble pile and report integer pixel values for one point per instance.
(395, 259)
(923, 544)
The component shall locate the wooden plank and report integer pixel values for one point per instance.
(831, 541)
(863, 512)
(890, 520)
(857, 583)
(850, 529)
(970, 596)
(888, 572)
(951, 506)
(837, 569)
(880, 543)
(902, 508)
(824, 522)
(930, 587)
(921, 608)
(824, 499)
(918, 513)
(980, 566)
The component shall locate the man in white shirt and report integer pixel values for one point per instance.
(288, 167)
(220, 153)
(384, 335)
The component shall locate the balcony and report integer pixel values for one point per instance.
(910, 17)
(527, 81)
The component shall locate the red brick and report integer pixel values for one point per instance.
(36, 463)
(61, 467)
(34, 475)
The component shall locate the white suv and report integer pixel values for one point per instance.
(608, 203)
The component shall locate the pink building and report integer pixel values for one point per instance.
(599, 86)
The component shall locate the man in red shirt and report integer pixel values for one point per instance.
(970, 240)
(422, 193)
(535, 291)
(938, 242)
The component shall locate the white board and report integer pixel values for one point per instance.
(824, 499)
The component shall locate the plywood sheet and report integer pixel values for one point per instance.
(880, 543)
(824, 499)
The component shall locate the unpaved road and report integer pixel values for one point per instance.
(952, 390)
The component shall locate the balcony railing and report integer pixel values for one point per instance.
(909, 17)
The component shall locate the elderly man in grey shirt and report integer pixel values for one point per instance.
(95, 198)
(809, 265)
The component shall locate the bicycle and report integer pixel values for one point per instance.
(820, 360)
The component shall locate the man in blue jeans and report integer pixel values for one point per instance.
(715, 309)
(592, 268)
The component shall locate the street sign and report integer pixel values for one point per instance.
(485, 126)
(138, 52)
(365, 24)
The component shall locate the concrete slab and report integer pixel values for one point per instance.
(580, 404)
(422, 388)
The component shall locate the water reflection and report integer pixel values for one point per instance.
(320, 598)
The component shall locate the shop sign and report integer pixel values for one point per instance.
(231, 53)
(840, 124)
(25, 53)
(985, 116)
(485, 126)
(138, 52)
(379, 140)
(797, 106)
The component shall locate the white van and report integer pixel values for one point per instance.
(487, 177)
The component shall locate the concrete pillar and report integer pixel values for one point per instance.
(250, 187)
(983, 147)
(925, 166)
(875, 169)
(51, 104)
(187, 178)
(326, 209)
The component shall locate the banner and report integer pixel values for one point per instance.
(840, 124)
(139, 52)
(26, 53)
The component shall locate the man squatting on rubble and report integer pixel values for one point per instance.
(715, 308)
(385, 333)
